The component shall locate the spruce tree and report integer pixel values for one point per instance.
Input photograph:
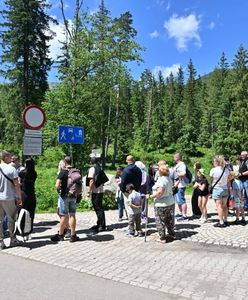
(25, 56)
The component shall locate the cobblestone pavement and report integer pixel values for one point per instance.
(204, 263)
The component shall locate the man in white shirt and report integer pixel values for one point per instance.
(10, 194)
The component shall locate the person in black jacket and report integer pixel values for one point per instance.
(131, 174)
(96, 196)
(243, 175)
(27, 180)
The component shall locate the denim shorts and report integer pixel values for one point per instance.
(180, 196)
(220, 194)
(67, 205)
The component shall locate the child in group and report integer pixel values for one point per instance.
(237, 197)
(119, 195)
(134, 207)
(202, 186)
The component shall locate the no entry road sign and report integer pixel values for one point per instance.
(33, 117)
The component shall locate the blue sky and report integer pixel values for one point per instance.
(173, 31)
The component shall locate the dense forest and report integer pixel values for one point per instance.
(96, 89)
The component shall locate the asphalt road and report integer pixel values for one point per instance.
(25, 279)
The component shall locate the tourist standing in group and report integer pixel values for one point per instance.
(15, 162)
(119, 197)
(164, 205)
(131, 174)
(243, 176)
(180, 182)
(220, 189)
(237, 196)
(96, 196)
(27, 178)
(194, 198)
(202, 190)
(134, 208)
(10, 195)
(67, 207)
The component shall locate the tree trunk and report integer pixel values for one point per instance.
(108, 128)
(116, 127)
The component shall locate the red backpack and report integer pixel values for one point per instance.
(74, 183)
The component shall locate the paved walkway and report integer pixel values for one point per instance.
(204, 263)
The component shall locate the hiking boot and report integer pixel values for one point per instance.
(57, 238)
(160, 240)
(14, 242)
(182, 219)
(178, 216)
(242, 222)
(2, 245)
(74, 238)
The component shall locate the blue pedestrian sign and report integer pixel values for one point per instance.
(71, 135)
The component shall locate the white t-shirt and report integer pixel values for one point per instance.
(91, 174)
(167, 198)
(7, 190)
(215, 174)
(180, 168)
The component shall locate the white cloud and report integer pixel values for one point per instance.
(166, 70)
(55, 43)
(211, 25)
(184, 30)
(154, 34)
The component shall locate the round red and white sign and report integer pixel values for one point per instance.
(34, 117)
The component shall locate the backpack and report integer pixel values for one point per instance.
(189, 175)
(100, 178)
(23, 223)
(74, 183)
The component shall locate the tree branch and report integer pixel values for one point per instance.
(64, 18)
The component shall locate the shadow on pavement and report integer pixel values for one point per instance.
(36, 244)
(185, 234)
(41, 229)
(99, 238)
(186, 226)
(46, 223)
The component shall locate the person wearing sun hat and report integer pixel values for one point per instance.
(202, 187)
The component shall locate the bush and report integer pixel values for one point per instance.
(46, 194)
(109, 201)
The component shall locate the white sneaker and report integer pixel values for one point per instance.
(203, 220)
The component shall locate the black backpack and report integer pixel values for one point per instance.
(189, 175)
(100, 178)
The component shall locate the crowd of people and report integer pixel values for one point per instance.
(163, 185)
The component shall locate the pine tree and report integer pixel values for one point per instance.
(25, 38)
(238, 138)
